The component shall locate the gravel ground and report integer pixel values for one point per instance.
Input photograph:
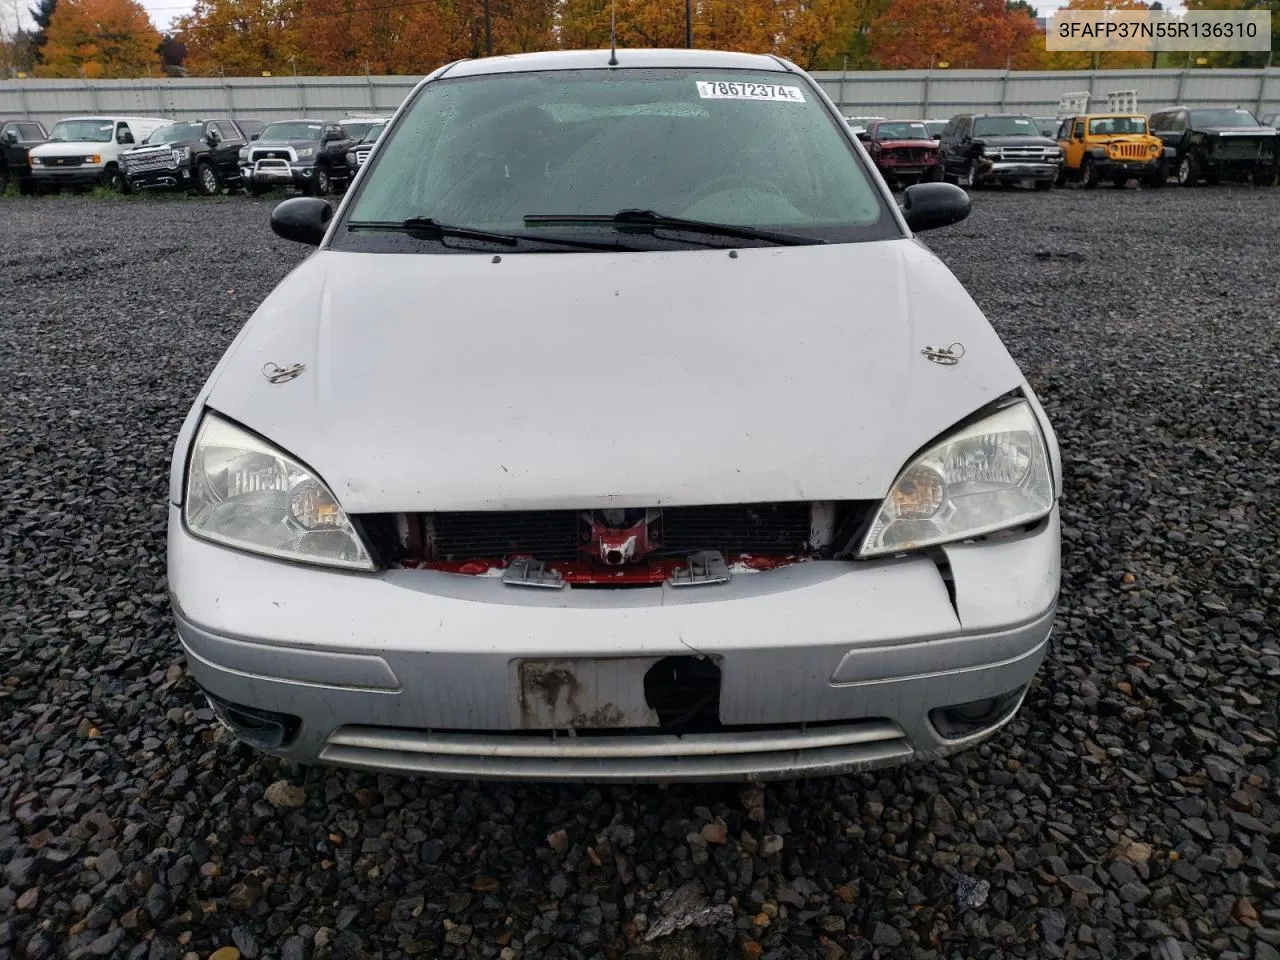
(1131, 810)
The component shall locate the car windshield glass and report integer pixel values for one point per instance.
(373, 133)
(176, 132)
(1222, 118)
(1114, 126)
(902, 131)
(742, 148)
(1005, 127)
(82, 131)
(292, 130)
(356, 129)
(935, 127)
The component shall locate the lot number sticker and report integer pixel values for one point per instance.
(732, 90)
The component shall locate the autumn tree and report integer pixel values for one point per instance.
(239, 37)
(974, 34)
(100, 38)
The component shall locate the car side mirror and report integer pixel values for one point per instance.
(305, 219)
(927, 206)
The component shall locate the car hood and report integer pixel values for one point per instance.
(910, 144)
(71, 148)
(196, 144)
(1016, 141)
(281, 144)
(582, 380)
(1237, 131)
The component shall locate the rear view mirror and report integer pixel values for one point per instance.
(305, 219)
(927, 206)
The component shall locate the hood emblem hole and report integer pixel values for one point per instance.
(947, 356)
(278, 374)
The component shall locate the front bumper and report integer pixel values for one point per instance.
(277, 173)
(68, 176)
(1013, 170)
(826, 667)
(167, 179)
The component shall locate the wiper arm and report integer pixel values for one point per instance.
(654, 220)
(429, 229)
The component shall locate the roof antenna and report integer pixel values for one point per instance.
(613, 34)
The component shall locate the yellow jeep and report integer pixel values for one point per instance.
(1112, 146)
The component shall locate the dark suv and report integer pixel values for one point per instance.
(998, 148)
(199, 155)
(310, 154)
(17, 137)
(1218, 143)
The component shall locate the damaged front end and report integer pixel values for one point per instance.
(636, 547)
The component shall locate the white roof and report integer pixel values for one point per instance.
(599, 59)
(116, 116)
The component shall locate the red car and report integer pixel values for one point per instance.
(903, 151)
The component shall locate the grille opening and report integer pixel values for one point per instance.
(263, 729)
(685, 694)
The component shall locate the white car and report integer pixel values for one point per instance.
(618, 428)
(85, 151)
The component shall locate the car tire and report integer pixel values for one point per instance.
(321, 185)
(1062, 176)
(1188, 171)
(970, 179)
(206, 180)
(28, 187)
(1158, 177)
(934, 174)
(1044, 185)
(1089, 174)
(113, 180)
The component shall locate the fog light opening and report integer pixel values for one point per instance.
(962, 720)
(263, 729)
(685, 694)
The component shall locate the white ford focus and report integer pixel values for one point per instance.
(618, 428)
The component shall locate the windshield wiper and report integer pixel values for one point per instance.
(654, 220)
(431, 230)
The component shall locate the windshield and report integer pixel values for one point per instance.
(374, 132)
(176, 132)
(356, 129)
(935, 127)
(292, 130)
(1114, 126)
(82, 131)
(731, 147)
(1222, 118)
(902, 131)
(1005, 127)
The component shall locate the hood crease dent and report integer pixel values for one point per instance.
(586, 380)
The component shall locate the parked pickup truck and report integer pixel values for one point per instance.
(998, 148)
(1218, 143)
(310, 154)
(902, 150)
(198, 155)
(17, 137)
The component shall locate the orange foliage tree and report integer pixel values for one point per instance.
(240, 37)
(100, 38)
(973, 34)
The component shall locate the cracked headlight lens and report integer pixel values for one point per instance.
(245, 493)
(990, 475)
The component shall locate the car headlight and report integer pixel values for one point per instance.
(245, 493)
(351, 157)
(181, 154)
(93, 158)
(990, 475)
(306, 152)
(34, 161)
(244, 154)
